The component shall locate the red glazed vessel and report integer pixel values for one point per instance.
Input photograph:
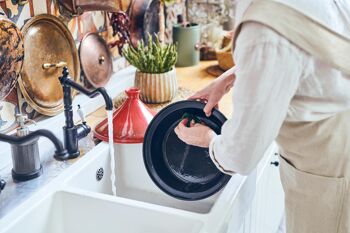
(130, 120)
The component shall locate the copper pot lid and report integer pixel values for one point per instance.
(46, 41)
(11, 56)
(96, 60)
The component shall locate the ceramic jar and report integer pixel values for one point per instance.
(156, 88)
(188, 44)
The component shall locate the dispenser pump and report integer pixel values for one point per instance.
(23, 130)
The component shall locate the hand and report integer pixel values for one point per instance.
(196, 135)
(215, 91)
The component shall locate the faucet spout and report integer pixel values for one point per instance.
(65, 80)
(60, 153)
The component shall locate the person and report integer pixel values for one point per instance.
(292, 91)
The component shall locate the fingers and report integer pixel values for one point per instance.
(192, 123)
(179, 131)
(209, 108)
(198, 96)
(198, 135)
(184, 121)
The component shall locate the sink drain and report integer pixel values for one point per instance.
(99, 174)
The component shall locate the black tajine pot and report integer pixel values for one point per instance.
(180, 170)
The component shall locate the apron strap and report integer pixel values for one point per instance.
(301, 30)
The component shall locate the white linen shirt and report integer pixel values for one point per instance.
(276, 82)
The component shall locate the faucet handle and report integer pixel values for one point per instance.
(81, 114)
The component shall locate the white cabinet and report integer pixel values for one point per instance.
(267, 209)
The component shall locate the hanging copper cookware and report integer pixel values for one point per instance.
(136, 14)
(11, 56)
(71, 8)
(96, 60)
(48, 44)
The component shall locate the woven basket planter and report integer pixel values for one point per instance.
(156, 88)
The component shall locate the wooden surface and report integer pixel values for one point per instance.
(191, 78)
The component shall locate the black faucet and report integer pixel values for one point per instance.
(73, 133)
(60, 153)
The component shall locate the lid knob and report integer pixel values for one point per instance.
(101, 60)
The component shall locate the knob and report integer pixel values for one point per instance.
(101, 60)
(276, 163)
(2, 184)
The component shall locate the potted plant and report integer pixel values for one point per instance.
(155, 75)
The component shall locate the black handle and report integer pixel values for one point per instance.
(276, 163)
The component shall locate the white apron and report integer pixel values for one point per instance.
(315, 164)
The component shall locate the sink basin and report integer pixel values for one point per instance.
(81, 200)
(69, 212)
(132, 179)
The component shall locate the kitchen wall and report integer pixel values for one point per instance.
(19, 11)
(90, 21)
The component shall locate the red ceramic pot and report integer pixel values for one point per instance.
(130, 120)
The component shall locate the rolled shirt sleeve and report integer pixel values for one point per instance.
(267, 76)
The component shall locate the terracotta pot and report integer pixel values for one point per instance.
(156, 88)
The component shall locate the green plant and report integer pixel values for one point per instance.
(153, 57)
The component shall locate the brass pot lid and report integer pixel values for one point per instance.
(95, 59)
(11, 56)
(46, 40)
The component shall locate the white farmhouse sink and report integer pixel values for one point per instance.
(76, 201)
(133, 183)
(132, 179)
(66, 212)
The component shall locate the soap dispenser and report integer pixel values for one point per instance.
(25, 156)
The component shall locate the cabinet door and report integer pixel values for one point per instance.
(267, 208)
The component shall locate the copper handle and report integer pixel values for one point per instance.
(54, 65)
(101, 60)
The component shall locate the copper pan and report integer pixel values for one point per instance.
(96, 60)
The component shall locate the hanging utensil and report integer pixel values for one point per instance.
(96, 61)
(48, 45)
(11, 56)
